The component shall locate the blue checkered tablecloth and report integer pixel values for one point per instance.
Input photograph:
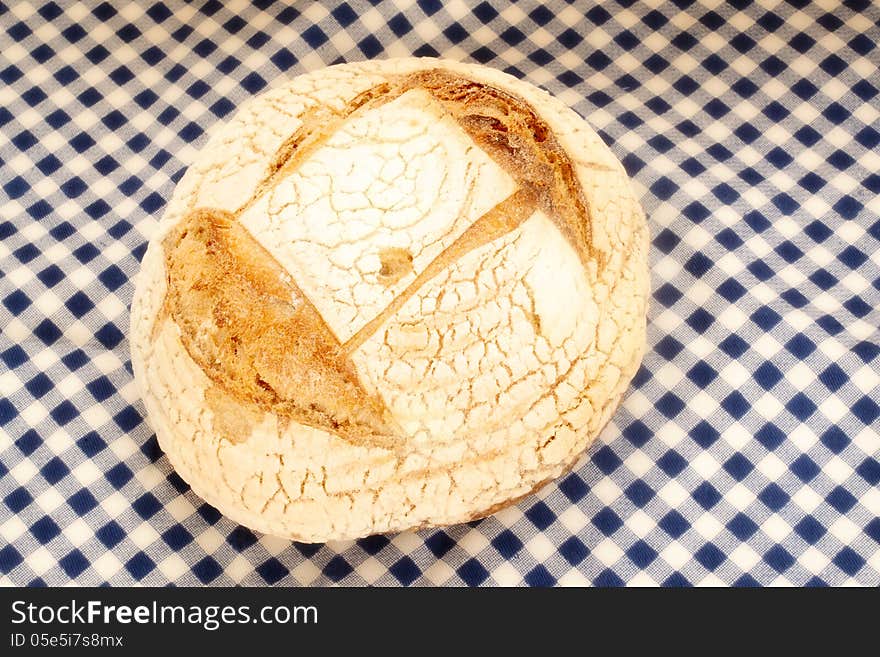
(747, 449)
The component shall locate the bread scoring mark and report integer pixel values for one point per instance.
(503, 124)
(512, 133)
(258, 338)
(496, 223)
(318, 123)
(394, 264)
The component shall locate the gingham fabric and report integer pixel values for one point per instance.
(747, 449)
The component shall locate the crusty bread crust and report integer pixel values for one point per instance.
(389, 295)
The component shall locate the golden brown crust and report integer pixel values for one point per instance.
(256, 335)
(519, 140)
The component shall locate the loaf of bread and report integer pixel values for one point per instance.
(389, 295)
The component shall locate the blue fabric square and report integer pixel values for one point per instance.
(406, 571)
(770, 436)
(39, 385)
(606, 460)
(440, 543)
(240, 538)
(9, 558)
(639, 493)
(735, 404)
(128, 418)
(109, 335)
(18, 499)
(541, 515)
(696, 212)
(841, 499)
(746, 581)
(779, 558)
(64, 413)
(774, 497)
(7, 412)
(45, 529)
(207, 570)
(272, 570)
(869, 470)
(119, 475)
(834, 439)
(867, 351)
(762, 271)
(147, 505)
(829, 324)
(867, 410)
(55, 470)
(704, 434)
(73, 563)
(873, 529)
(82, 502)
(766, 318)
(801, 346)
(674, 524)
(91, 443)
(111, 534)
(573, 550)
(641, 554)
(700, 320)
(810, 529)
(177, 537)
(337, 568)
(801, 406)
(574, 488)
(669, 347)
(742, 526)
(833, 377)
(472, 572)
(789, 252)
(607, 579)
(710, 556)
(738, 466)
(731, 289)
(607, 521)
(672, 463)
(805, 468)
(670, 405)
(706, 495)
(101, 388)
(677, 580)
(768, 375)
(140, 565)
(507, 544)
(756, 221)
(667, 295)
(17, 302)
(849, 561)
(540, 576)
(28, 443)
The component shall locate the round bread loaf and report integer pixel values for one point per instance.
(389, 295)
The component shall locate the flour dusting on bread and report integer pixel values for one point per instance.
(389, 295)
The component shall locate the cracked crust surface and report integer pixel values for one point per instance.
(387, 295)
